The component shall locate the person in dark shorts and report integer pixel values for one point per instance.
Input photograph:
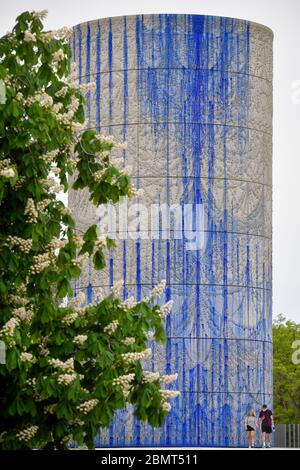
(250, 427)
(267, 423)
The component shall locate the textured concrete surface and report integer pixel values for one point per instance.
(192, 95)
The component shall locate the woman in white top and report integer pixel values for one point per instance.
(251, 426)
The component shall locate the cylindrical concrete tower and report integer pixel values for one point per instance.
(192, 95)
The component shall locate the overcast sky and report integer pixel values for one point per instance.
(283, 17)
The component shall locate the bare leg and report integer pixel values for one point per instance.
(249, 438)
(253, 438)
(263, 438)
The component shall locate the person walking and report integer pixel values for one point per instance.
(267, 426)
(251, 426)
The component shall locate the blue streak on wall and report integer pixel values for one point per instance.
(98, 76)
(110, 58)
(110, 113)
(88, 72)
(125, 109)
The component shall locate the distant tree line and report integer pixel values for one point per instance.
(286, 343)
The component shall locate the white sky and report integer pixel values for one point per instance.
(283, 17)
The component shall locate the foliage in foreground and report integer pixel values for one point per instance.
(69, 367)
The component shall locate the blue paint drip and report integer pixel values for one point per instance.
(98, 77)
(88, 71)
(125, 109)
(74, 45)
(110, 67)
(89, 293)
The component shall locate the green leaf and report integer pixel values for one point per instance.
(12, 359)
(88, 247)
(78, 184)
(110, 243)
(59, 337)
(64, 288)
(64, 410)
(74, 272)
(20, 406)
(45, 73)
(16, 112)
(99, 260)
(91, 234)
(78, 437)
(63, 257)
(145, 310)
(60, 427)
(145, 396)
(160, 334)
(106, 414)
(3, 288)
(30, 407)
(1, 190)
(124, 182)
